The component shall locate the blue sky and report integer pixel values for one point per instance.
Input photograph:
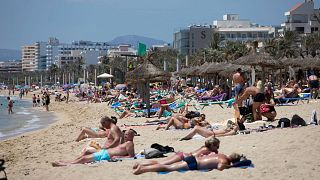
(26, 21)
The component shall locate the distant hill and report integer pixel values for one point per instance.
(134, 40)
(9, 54)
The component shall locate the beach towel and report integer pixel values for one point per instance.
(241, 164)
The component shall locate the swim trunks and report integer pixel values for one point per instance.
(95, 129)
(238, 88)
(101, 155)
(192, 162)
(260, 97)
(314, 84)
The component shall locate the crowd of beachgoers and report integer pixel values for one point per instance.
(179, 104)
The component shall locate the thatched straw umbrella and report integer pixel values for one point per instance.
(262, 59)
(184, 71)
(145, 73)
(310, 62)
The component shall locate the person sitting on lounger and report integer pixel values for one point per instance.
(231, 129)
(211, 161)
(211, 146)
(290, 92)
(100, 132)
(164, 104)
(120, 151)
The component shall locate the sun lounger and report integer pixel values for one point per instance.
(201, 106)
(284, 101)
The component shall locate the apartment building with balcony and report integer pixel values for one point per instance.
(87, 51)
(29, 61)
(303, 18)
(232, 28)
(10, 66)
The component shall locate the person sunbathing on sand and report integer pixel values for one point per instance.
(181, 122)
(120, 151)
(100, 132)
(231, 129)
(211, 161)
(211, 146)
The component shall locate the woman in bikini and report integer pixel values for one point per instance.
(211, 146)
(100, 132)
(231, 129)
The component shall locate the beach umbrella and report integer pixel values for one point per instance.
(120, 86)
(145, 73)
(262, 59)
(105, 75)
(146, 70)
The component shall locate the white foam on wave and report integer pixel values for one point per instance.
(23, 113)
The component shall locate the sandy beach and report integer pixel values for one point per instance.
(290, 153)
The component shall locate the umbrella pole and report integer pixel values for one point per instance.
(147, 96)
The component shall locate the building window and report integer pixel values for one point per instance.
(249, 34)
(244, 36)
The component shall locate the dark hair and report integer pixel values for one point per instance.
(239, 70)
(114, 119)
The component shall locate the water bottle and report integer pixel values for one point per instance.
(282, 125)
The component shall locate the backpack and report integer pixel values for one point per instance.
(162, 149)
(285, 121)
(152, 153)
(298, 121)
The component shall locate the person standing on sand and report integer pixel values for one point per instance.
(120, 151)
(10, 105)
(68, 94)
(46, 100)
(239, 82)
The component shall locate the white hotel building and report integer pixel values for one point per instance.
(303, 18)
(232, 28)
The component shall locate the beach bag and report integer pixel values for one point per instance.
(285, 121)
(192, 114)
(298, 121)
(245, 110)
(163, 149)
(264, 108)
(151, 153)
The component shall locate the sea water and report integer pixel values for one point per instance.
(25, 118)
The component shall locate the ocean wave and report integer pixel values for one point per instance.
(23, 113)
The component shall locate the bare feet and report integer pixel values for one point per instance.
(57, 164)
(135, 165)
(138, 170)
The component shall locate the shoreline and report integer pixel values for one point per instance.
(41, 124)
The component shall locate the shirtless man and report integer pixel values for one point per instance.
(123, 150)
(239, 81)
(211, 146)
(258, 99)
(211, 161)
(314, 85)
